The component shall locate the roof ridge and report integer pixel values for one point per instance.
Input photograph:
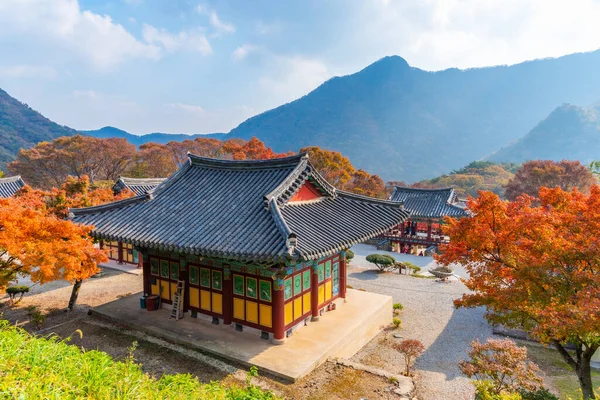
(11, 179)
(107, 206)
(246, 164)
(371, 199)
(282, 226)
(144, 180)
(423, 189)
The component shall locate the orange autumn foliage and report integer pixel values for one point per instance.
(535, 266)
(36, 243)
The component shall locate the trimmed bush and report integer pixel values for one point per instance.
(382, 261)
(397, 322)
(47, 367)
(349, 255)
(14, 291)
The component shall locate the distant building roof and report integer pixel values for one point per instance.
(243, 210)
(137, 185)
(429, 203)
(9, 186)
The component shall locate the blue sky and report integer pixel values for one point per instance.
(184, 66)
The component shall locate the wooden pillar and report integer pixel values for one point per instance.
(278, 316)
(146, 272)
(429, 226)
(227, 296)
(120, 253)
(342, 273)
(314, 292)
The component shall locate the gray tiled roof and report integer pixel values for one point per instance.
(429, 203)
(239, 210)
(137, 185)
(9, 186)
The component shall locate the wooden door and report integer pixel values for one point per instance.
(206, 289)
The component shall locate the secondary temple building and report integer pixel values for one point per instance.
(258, 244)
(10, 186)
(427, 208)
(125, 252)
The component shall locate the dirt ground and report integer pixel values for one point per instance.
(329, 381)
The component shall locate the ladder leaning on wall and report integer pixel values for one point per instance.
(177, 310)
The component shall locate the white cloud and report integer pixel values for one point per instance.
(438, 34)
(242, 51)
(96, 38)
(294, 77)
(27, 71)
(84, 94)
(187, 108)
(220, 26)
(192, 40)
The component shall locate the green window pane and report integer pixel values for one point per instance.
(174, 271)
(154, 266)
(265, 290)
(328, 270)
(297, 284)
(164, 268)
(306, 280)
(251, 290)
(238, 285)
(287, 289)
(204, 277)
(194, 278)
(336, 279)
(217, 280)
(321, 271)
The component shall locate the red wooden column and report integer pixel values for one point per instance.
(429, 226)
(314, 292)
(342, 273)
(227, 296)
(278, 317)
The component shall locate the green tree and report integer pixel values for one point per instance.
(382, 261)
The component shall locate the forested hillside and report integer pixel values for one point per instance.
(568, 133)
(21, 126)
(408, 124)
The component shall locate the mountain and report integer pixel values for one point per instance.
(138, 140)
(569, 132)
(21, 126)
(408, 124)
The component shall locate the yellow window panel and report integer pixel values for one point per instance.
(266, 315)
(205, 300)
(297, 308)
(194, 297)
(288, 313)
(217, 303)
(154, 288)
(164, 290)
(306, 303)
(238, 309)
(252, 312)
(321, 294)
(327, 290)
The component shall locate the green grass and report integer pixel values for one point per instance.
(561, 376)
(49, 368)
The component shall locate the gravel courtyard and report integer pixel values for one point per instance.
(428, 315)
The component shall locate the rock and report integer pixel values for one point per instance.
(397, 336)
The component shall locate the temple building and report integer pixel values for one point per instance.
(124, 252)
(258, 244)
(10, 186)
(427, 208)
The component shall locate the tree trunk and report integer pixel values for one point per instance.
(74, 294)
(584, 376)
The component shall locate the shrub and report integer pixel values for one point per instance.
(382, 261)
(484, 390)
(14, 291)
(504, 365)
(349, 255)
(397, 322)
(540, 394)
(36, 317)
(413, 267)
(410, 349)
(397, 307)
(47, 367)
